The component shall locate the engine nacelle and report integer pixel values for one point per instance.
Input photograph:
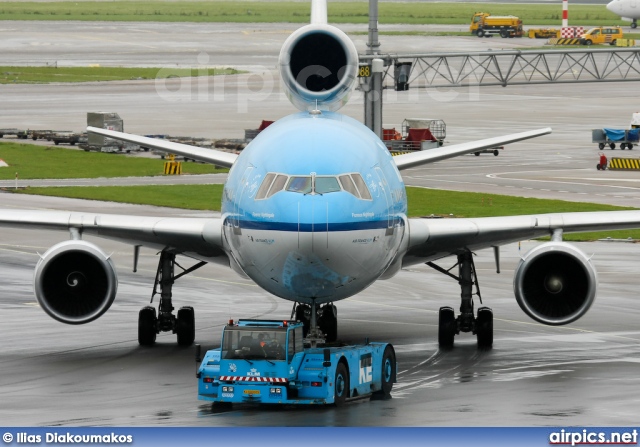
(555, 283)
(318, 65)
(75, 282)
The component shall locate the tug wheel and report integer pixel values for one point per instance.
(388, 376)
(341, 385)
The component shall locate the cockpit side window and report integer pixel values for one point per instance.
(362, 186)
(348, 185)
(354, 184)
(278, 185)
(264, 187)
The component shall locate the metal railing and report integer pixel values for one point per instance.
(504, 68)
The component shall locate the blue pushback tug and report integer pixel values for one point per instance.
(266, 361)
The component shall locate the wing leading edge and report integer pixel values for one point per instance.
(200, 238)
(431, 239)
(213, 156)
(407, 161)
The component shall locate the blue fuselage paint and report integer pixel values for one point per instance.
(314, 247)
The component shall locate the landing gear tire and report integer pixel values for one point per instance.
(446, 327)
(388, 374)
(303, 314)
(634, 24)
(147, 326)
(341, 385)
(484, 327)
(328, 322)
(186, 326)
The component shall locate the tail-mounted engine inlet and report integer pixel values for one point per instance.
(318, 66)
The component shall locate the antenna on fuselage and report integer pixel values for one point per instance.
(315, 111)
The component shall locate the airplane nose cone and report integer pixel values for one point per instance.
(611, 6)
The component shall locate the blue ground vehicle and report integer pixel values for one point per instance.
(266, 361)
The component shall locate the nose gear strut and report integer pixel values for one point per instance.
(320, 322)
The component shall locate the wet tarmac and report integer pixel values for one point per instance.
(97, 374)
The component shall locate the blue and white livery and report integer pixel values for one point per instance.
(315, 211)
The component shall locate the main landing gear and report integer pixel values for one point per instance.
(326, 317)
(448, 325)
(184, 324)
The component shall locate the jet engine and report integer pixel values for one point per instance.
(318, 66)
(555, 283)
(75, 282)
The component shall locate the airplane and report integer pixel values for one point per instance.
(628, 10)
(314, 211)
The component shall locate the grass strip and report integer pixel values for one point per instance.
(43, 162)
(297, 12)
(193, 197)
(635, 36)
(422, 202)
(425, 202)
(44, 75)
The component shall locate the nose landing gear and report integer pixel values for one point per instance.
(326, 316)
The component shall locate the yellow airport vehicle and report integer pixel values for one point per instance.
(485, 25)
(601, 35)
(544, 33)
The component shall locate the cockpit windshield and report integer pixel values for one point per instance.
(300, 184)
(353, 183)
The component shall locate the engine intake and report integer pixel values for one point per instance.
(555, 283)
(318, 64)
(75, 282)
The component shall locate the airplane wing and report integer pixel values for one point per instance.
(200, 238)
(431, 239)
(213, 156)
(407, 161)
